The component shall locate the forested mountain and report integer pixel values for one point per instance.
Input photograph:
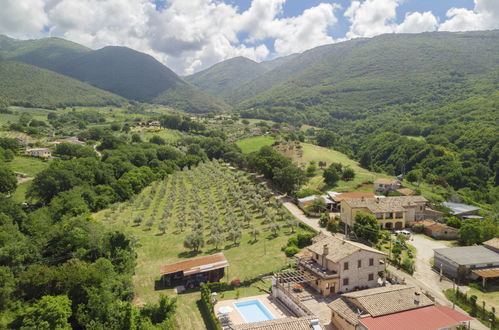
(353, 79)
(398, 103)
(224, 78)
(27, 85)
(220, 79)
(120, 70)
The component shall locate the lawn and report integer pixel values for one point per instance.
(309, 152)
(490, 298)
(28, 165)
(252, 144)
(208, 197)
(169, 135)
(19, 196)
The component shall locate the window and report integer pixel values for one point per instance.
(371, 261)
(345, 266)
(359, 263)
(371, 277)
(345, 281)
(316, 256)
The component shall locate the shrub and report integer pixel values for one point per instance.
(291, 250)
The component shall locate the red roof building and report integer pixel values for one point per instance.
(426, 318)
(194, 271)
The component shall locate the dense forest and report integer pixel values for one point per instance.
(26, 85)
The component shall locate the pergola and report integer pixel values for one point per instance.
(294, 276)
(486, 273)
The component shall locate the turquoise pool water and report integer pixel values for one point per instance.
(253, 311)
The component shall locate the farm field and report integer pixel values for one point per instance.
(306, 153)
(252, 144)
(36, 113)
(225, 208)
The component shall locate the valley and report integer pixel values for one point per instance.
(113, 168)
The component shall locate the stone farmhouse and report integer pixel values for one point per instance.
(337, 265)
(39, 152)
(386, 185)
(391, 212)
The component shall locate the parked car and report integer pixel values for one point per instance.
(403, 232)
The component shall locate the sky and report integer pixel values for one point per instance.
(192, 35)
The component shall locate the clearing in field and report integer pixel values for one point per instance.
(253, 144)
(303, 153)
(223, 207)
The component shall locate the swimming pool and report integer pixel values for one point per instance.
(253, 311)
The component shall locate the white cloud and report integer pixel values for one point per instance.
(309, 30)
(417, 22)
(22, 18)
(186, 35)
(374, 17)
(485, 16)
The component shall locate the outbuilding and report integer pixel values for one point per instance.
(460, 262)
(190, 273)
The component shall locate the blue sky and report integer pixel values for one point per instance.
(296, 7)
(191, 35)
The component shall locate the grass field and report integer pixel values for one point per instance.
(309, 152)
(171, 136)
(490, 298)
(36, 113)
(28, 165)
(210, 196)
(252, 144)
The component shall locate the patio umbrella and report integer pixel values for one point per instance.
(225, 310)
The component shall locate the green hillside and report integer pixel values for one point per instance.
(120, 70)
(220, 79)
(225, 79)
(23, 84)
(354, 79)
(46, 53)
(422, 103)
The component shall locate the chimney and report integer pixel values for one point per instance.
(416, 298)
(326, 250)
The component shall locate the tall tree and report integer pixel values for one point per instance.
(366, 226)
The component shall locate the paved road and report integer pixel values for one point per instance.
(297, 212)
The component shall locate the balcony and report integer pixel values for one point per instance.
(318, 270)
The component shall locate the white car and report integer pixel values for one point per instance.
(403, 232)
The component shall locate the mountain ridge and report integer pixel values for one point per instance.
(121, 70)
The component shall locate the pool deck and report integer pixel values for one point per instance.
(277, 310)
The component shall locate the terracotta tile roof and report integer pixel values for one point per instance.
(352, 195)
(406, 191)
(427, 318)
(387, 204)
(288, 323)
(493, 243)
(385, 181)
(346, 310)
(388, 299)
(196, 265)
(338, 248)
(440, 226)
